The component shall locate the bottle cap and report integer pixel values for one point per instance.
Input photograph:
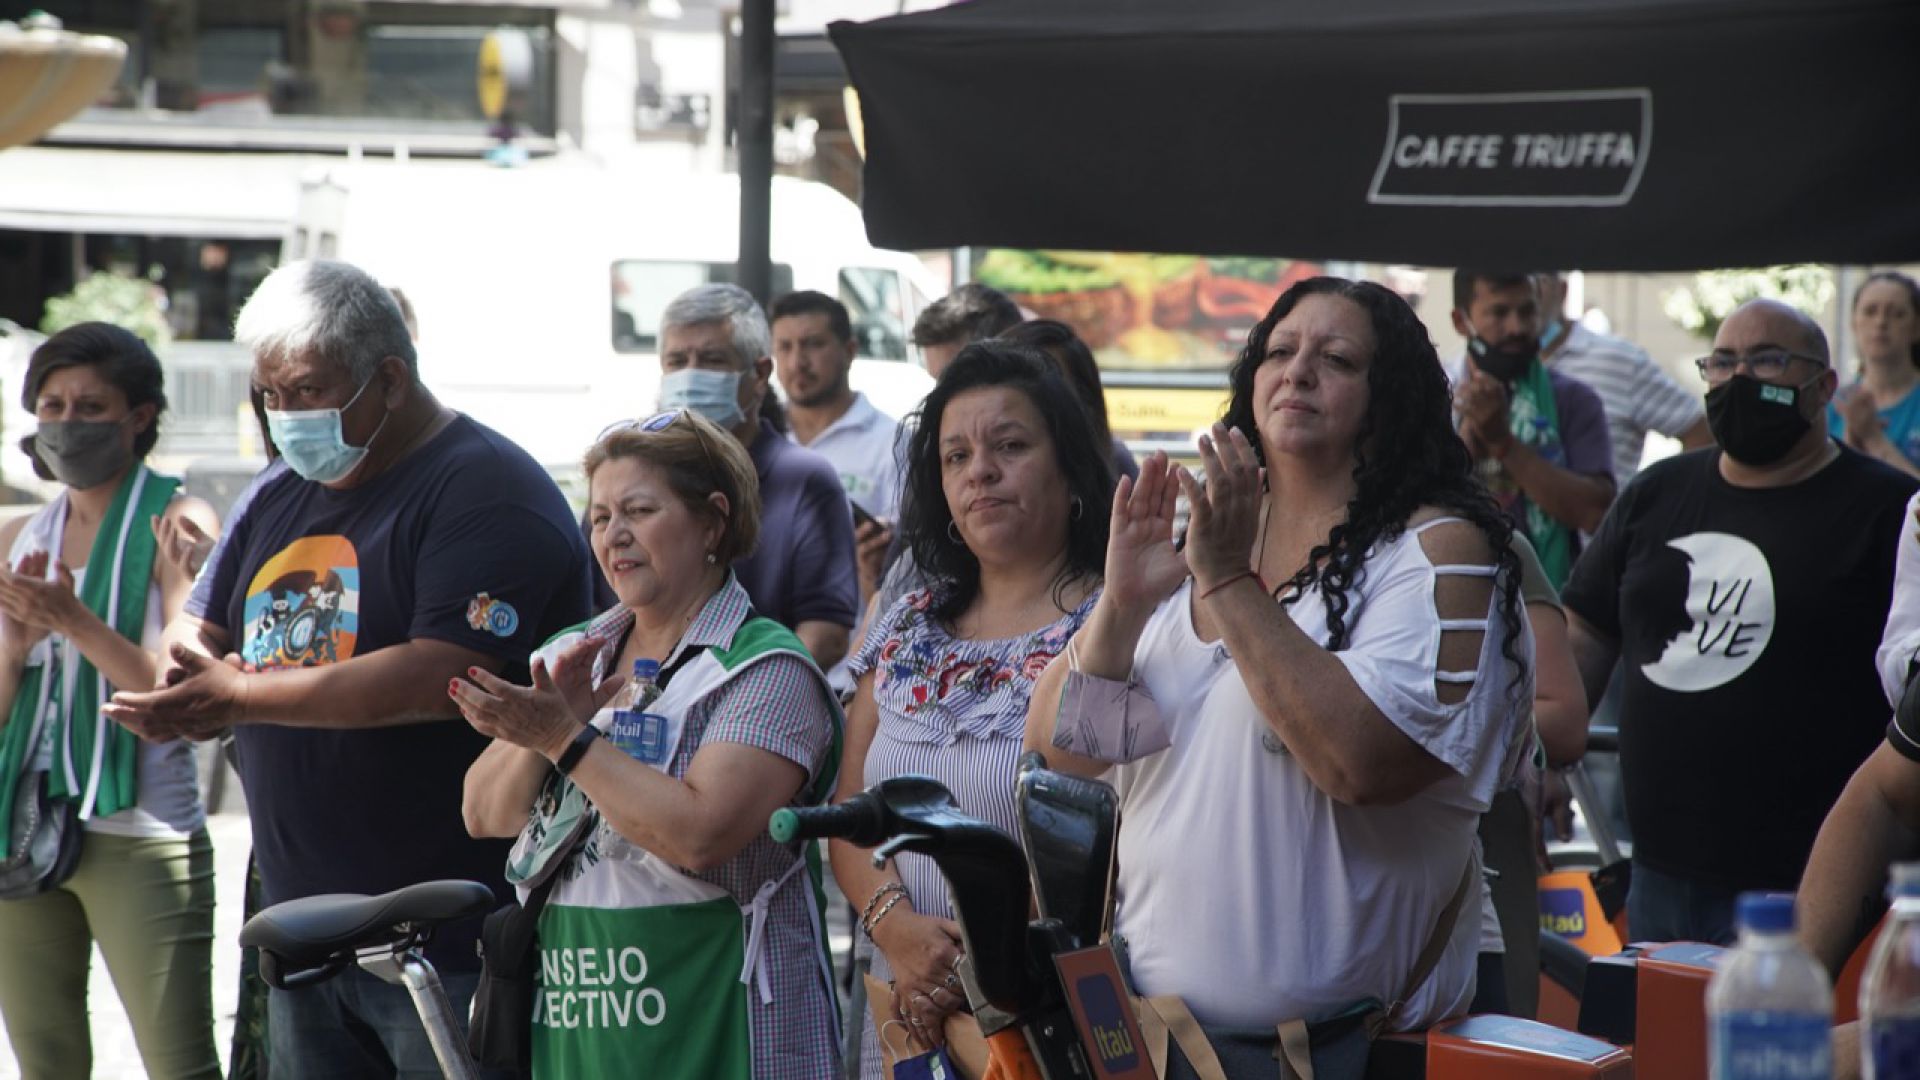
(1766, 912)
(1905, 880)
(646, 668)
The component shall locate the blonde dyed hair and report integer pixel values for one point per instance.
(698, 458)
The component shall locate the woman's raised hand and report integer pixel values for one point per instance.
(1223, 519)
(18, 632)
(537, 717)
(1860, 416)
(1142, 565)
(35, 606)
(572, 676)
(183, 544)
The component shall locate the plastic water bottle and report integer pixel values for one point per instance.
(642, 689)
(1890, 990)
(1769, 1007)
(635, 730)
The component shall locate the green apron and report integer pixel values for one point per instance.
(645, 970)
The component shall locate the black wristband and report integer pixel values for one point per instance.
(576, 749)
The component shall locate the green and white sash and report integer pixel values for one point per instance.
(1534, 418)
(637, 959)
(94, 759)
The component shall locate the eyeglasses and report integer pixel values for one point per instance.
(661, 422)
(1767, 364)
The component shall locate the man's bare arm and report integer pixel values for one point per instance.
(1875, 823)
(1594, 653)
(400, 684)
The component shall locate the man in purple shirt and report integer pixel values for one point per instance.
(1538, 438)
(715, 359)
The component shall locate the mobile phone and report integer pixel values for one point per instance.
(860, 515)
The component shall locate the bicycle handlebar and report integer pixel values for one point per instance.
(985, 871)
(859, 820)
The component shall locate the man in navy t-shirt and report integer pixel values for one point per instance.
(395, 545)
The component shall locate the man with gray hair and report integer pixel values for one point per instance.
(393, 547)
(715, 359)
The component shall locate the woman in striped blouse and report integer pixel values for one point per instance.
(1005, 507)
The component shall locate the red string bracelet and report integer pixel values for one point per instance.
(1218, 585)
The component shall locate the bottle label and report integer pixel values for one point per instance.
(1753, 1045)
(1893, 1044)
(647, 737)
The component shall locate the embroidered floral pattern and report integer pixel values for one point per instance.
(947, 687)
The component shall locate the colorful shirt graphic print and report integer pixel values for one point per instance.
(303, 606)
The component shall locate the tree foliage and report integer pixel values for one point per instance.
(131, 302)
(1702, 306)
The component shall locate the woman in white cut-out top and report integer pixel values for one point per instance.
(1306, 711)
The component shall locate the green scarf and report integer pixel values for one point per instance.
(83, 742)
(1534, 419)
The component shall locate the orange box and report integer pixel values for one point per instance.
(1670, 1010)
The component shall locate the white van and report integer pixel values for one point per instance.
(539, 288)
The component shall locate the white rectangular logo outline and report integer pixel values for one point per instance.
(1643, 94)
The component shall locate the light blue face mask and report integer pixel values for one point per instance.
(1554, 331)
(713, 394)
(312, 443)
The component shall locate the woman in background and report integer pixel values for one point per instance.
(1075, 361)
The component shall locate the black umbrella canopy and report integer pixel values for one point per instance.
(1601, 134)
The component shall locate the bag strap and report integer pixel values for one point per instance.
(1295, 1051)
(537, 896)
(686, 657)
(1429, 957)
(1168, 1015)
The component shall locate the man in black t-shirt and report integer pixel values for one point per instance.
(1743, 591)
(393, 546)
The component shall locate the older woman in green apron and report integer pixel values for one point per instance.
(680, 940)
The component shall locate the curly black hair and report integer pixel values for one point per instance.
(1407, 454)
(1083, 460)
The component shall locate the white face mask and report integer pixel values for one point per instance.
(713, 394)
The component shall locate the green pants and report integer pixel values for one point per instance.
(149, 903)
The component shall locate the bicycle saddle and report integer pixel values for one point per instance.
(312, 930)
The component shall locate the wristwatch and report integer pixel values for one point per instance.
(576, 749)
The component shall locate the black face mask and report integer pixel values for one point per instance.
(81, 453)
(1503, 364)
(1755, 422)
